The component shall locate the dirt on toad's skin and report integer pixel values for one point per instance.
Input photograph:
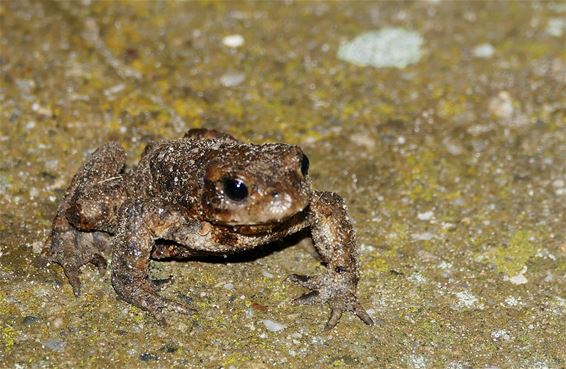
(451, 168)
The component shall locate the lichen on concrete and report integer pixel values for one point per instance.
(452, 167)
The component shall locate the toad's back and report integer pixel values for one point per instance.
(202, 175)
(173, 171)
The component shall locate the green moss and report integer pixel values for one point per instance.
(339, 363)
(398, 237)
(512, 258)
(8, 335)
(377, 264)
(420, 174)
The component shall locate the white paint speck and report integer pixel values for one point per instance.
(484, 51)
(501, 105)
(233, 40)
(417, 277)
(452, 147)
(455, 365)
(249, 313)
(232, 79)
(425, 216)
(388, 47)
(266, 274)
(33, 192)
(512, 301)
(37, 247)
(425, 236)
(549, 277)
(114, 89)
(555, 27)
(55, 344)
(519, 278)
(466, 299)
(417, 361)
(273, 326)
(500, 335)
(545, 254)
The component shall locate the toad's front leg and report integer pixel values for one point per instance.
(334, 239)
(142, 223)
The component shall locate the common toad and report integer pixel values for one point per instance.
(206, 193)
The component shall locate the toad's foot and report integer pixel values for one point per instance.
(144, 294)
(337, 290)
(72, 249)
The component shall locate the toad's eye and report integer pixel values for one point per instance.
(304, 165)
(235, 188)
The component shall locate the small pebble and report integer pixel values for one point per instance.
(501, 105)
(185, 298)
(233, 41)
(500, 335)
(555, 27)
(388, 47)
(466, 299)
(425, 236)
(232, 79)
(169, 348)
(41, 110)
(57, 323)
(273, 326)
(484, 51)
(29, 320)
(55, 344)
(259, 307)
(517, 279)
(266, 274)
(146, 356)
(425, 216)
(452, 148)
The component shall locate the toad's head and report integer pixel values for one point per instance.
(256, 184)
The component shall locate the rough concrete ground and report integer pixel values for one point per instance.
(454, 169)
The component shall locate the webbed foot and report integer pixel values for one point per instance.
(337, 290)
(72, 249)
(143, 293)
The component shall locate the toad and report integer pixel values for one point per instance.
(204, 194)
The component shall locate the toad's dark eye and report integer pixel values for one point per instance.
(235, 188)
(305, 165)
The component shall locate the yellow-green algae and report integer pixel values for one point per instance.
(156, 72)
(512, 258)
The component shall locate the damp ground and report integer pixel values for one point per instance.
(453, 165)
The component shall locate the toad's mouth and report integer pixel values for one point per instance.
(272, 226)
(263, 213)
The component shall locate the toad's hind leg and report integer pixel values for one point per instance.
(85, 218)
